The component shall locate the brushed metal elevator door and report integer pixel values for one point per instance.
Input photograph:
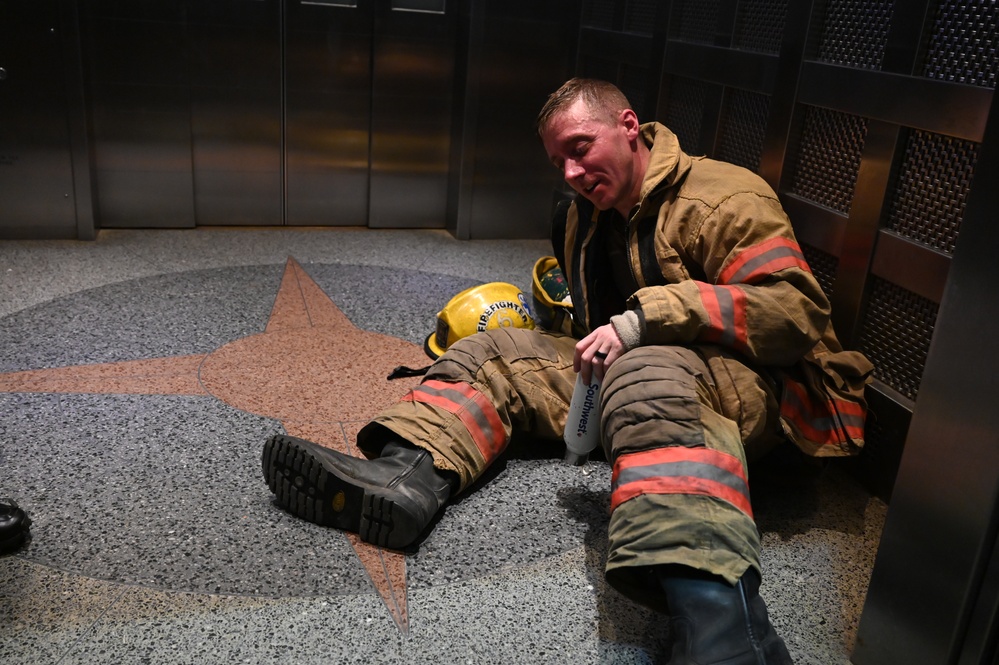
(235, 111)
(280, 112)
(271, 112)
(368, 96)
(327, 124)
(36, 170)
(413, 59)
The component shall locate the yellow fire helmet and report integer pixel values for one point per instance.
(483, 307)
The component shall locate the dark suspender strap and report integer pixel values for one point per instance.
(651, 272)
(559, 220)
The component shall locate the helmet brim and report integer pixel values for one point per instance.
(431, 349)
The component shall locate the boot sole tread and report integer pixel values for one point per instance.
(304, 487)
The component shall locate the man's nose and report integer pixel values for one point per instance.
(571, 170)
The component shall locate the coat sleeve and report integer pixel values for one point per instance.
(757, 295)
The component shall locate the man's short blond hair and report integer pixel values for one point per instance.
(602, 98)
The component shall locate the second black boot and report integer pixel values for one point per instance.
(388, 501)
(714, 623)
(14, 523)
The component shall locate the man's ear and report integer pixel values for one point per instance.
(629, 121)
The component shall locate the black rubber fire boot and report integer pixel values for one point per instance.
(714, 623)
(388, 501)
(14, 523)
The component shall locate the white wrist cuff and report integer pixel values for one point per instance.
(628, 327)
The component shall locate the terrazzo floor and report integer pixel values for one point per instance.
(139, 376)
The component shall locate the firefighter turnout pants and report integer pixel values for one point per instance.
(676, 425)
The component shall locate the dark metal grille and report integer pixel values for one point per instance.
(884, 441)
(599, 14)
(640, 16)
(964, 43)
(760, 25)
(596, 67)
(875, 440)
(896, 335)
(855, 32)
(684, 113)
(829, 157)
(631, 79)
(743, 125)
(823, 266)
(696, 21)
(633, 82)
(932, 189)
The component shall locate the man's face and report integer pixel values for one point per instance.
(596, 155)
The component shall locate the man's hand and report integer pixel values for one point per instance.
(595, 353)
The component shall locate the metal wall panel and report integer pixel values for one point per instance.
(934, 596)
(260, 112)
(138, 68)
(518, 52)
(37, 193)
(318, 112)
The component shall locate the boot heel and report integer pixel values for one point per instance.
(387, 524)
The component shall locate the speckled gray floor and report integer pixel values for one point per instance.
(156, 541)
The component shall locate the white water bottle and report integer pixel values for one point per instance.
(582, 427)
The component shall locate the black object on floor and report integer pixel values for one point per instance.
(14, 523)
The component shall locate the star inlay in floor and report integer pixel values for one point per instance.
(304, 369)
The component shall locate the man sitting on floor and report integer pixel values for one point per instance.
(694, 305)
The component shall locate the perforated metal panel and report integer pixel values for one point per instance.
(743, 123)
(829, 157)
(896, 335)
(760, 25)
(962, 47)
(598, 14)
(632, 81)
(875, 439)
(696, 21)
(855, 32)
(640, 16)
(823, 266)
(932, 188)
(601, 68)
(623, 61)
(685, 111)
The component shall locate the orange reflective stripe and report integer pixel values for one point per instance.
(763, 259)
(824, 422)
(472, 408)
(726, 308)
(679, 470)
(492, 445)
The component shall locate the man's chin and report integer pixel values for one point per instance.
(598, 203)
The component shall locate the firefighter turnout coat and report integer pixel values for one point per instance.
(715, 261)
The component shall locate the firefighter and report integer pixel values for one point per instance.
(691, 300)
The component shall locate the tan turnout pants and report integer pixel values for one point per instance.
(676, 423)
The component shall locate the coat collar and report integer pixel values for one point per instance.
(668, 164)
